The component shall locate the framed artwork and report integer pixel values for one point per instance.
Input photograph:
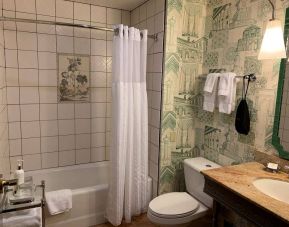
(73, 77)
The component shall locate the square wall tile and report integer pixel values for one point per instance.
(11, 58)
(160, 5)
(98, 140)
(65, 44)
(66, 111)
(64, 30)
(29, 95)
(13, 113)
(8, 5)
(32, 162)
(81, 11)
(82, 141)
(66, 158)
(98, 14)
(125, 17)
(98, 47)
(14, 130)
(27, 59)
(45, 7)
(15, 147)
(82, 32)
(143, 12)
(27, 41)
(159, 22)
(46, 42)
(151, 8)
(66, 127)
(113, 16)
(48, 77)
(98, 125)
(98, 63)
(13, 95)
(82, 46)
(135, 16)
(82, 110)
(49, 144)
(98, 79)
(30, 129)
(49, 160)
(48, 111)
(98, 110)
(47, 60)
(29, 112)
(48, 94)
(97, 154)
(28, 77)
(98, 94)
(27, 6)
(46, 28)
(10, 39)
(64, 9)
(12, 77)
(97, 34)
(31, 146)
(66, 142)
(82, 156)
(82, 125)
(49, 128)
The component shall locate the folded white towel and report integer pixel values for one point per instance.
(59, 201)
(227, 92)
(210, 91)
(24, 218)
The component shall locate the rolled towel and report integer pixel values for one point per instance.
(210, 91)
(59, 201)
(24, 218)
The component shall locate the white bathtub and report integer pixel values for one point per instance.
(89, 184)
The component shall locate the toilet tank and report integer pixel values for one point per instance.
(195, 181)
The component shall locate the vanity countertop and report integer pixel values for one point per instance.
(239, 179)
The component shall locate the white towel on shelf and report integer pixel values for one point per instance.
(59, 201)
(227, 92)
(210, 91)
(23, 218)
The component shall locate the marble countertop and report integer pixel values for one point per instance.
(239, 179)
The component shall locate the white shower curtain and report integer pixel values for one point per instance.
(127, 194)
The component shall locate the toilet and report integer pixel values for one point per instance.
(177, 208)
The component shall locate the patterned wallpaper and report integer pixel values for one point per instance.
(214, 34)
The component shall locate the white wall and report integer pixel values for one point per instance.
(42, 131)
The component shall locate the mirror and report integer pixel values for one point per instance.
(280, 138)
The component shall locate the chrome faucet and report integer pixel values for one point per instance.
(4, 183)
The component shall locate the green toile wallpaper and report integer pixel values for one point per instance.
(202, 35)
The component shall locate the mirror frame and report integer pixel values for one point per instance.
(275, 137)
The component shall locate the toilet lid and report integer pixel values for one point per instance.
(174, 204)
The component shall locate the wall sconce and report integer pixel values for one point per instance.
(273, 46)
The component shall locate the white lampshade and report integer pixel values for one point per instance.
(273, 42)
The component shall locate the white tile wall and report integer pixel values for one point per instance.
(150, 15)
(43, 132)
(4, 126)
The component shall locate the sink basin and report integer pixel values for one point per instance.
(274, 188)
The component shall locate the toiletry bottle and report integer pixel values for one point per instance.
(19, 172)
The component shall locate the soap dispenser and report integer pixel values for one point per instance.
(19, 172)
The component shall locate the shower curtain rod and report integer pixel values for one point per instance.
(116, 31)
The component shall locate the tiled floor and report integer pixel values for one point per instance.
(142, 221)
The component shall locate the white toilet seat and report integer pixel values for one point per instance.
(175, 208)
